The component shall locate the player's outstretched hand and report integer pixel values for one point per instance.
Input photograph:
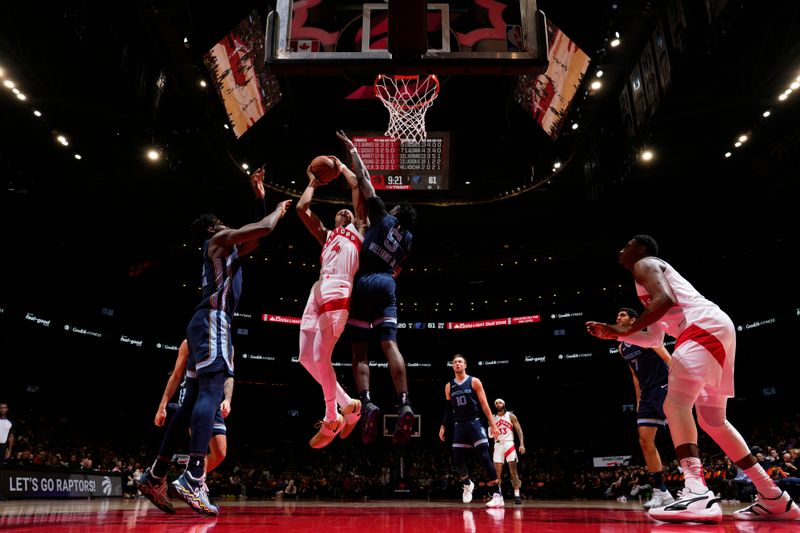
(225, 408)
(601, 330)
(283, 207)
(348, 144)
(257, 183)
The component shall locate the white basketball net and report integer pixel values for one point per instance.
(407, 98)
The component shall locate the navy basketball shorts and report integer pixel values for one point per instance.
(469, 433)
(210, 344)
(373, 305)
(651, 407)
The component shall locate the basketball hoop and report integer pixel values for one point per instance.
(407, 98)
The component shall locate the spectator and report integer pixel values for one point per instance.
(6, 433)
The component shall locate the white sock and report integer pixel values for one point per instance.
(693, 474)
(765, 486)
(516, 493)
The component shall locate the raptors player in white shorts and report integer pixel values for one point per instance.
(504, 449)
(326, 311)
(701, 376)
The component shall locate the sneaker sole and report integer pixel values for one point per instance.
(370, 431)
(193, 502)
(402, 434)
(706, 517)
(791, 514)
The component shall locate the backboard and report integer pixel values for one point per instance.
(317, 37)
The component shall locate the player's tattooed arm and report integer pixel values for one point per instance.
(225, 406)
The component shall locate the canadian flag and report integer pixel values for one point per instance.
(304, 45)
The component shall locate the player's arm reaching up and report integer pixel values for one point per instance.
(477, 386)
(172, 383)
(309, 218)
(359, 201)
(247, 236)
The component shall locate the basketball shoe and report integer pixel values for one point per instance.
(661, 498)
(369, 427)
(352, 414)
(155, 489)
(466, 496)
(327, 432)
(780, 508)
(690, 507)
(195, 493)
(496, 501)
(405, 423)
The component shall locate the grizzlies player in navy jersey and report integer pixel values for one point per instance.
(179, 381)
(465, 399)
(649, 363)
(210, 355)
(373, 303)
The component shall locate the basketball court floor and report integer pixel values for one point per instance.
(329, 517)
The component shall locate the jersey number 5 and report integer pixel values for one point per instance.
(393, 240)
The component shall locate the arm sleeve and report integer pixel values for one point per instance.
(376, 209)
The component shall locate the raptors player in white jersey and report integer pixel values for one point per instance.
(327, 308)
(504, 449)
(701, 376)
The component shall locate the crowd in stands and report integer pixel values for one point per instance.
(354, 472)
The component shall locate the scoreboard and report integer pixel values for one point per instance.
(396, 165)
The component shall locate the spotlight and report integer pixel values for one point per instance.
(782, 97)
(795, 85)
(37, 112)
(575, 126)
(245, 166)
(596, 85)
(153, 154)
(615, 42)
(22, 96)
(557, 165)
(15, 90)
(78, 157)
(185, 40)
(226, 126)
(203, 84)
(737, 144)
(467, 182)
(63, 140)
(787, 92)
(2, 72)
(743, 138)
(9, 84)
(766, 114)
(647, 155)
(728, 154)
(599, 74)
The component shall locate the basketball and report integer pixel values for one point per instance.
(324, 168)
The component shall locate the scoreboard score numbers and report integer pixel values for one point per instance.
(397, 165)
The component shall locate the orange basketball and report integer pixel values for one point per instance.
(324, 168)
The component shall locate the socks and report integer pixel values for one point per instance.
(658, 481)
(765, 486)
(516, 493)
(196, 466)
(160, 468)
(693, 474)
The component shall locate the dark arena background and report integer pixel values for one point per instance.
(117, 131)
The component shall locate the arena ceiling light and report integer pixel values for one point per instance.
(37, 112)
(596, 85)
(153, 154)
(647, 155)
(783, 97)
(795, 85)
(2, 72)
(245, 166)
(62, 140)
(728, 154)
(599, 74)
(557, 165)
(22, 96)
(766, 113)
(203, 84)
(575, 126)
(743, 138)
(78, 157)
(615, 42)
(9, 84)
(737, 144)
